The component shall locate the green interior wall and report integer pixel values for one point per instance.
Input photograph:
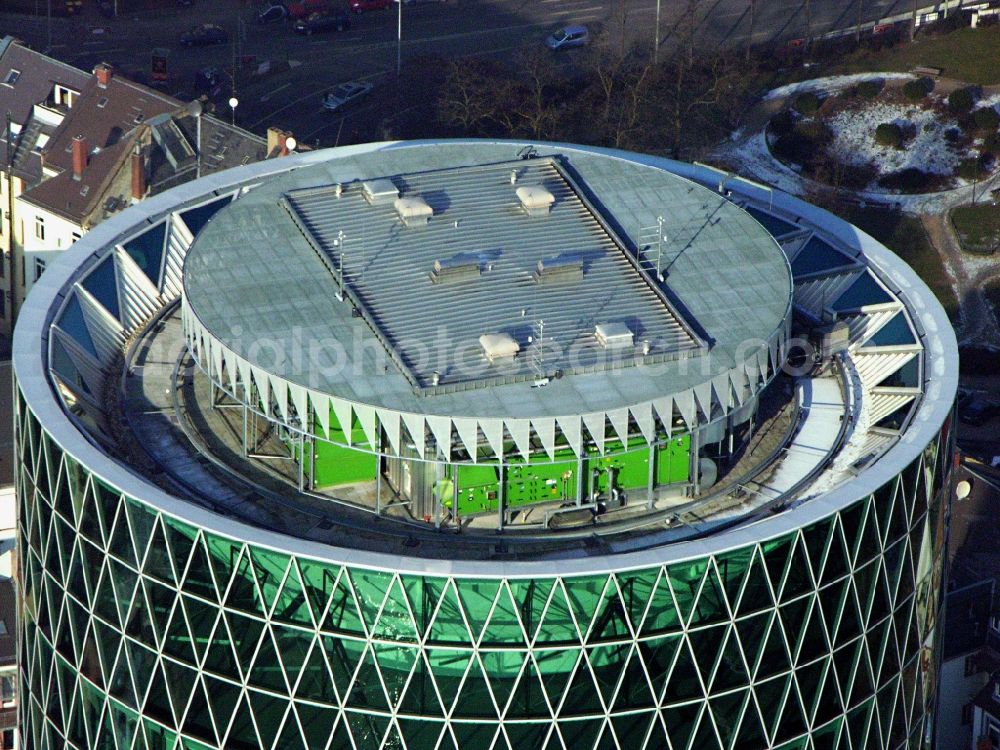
(536, 482)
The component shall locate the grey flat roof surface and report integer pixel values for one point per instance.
(257, 285)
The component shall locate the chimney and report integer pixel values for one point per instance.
(103, 71)
(80, 156)
(275, 140)
(138, 175)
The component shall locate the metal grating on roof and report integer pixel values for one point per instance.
(478, 217)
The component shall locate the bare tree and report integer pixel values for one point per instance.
(466, 98)
(534, 105)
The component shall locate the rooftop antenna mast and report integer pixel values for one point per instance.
(339, 244)
(537, 341)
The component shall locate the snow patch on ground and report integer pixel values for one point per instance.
(831, 83)
(854, 139)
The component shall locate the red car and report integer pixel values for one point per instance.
(303, 8)
(359, 6)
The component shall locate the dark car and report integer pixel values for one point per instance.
(203, 35)
(334, 20)
(979, 411)
(272, 11)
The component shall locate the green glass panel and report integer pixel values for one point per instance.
(710, 606)
(178, 639)
(584, 596)
(558, 625)
(157, 703)
(793, 718)
(318, 581)
(581, 734)
(705, 737)
(774, 658)
(637, 590)
(343, 656)
(527, 735)
(242, 734)
(290, 737)
(395, 663)
(90, 663)
(662, 615)
(869, 545)
(109, 643)
(477, 600)
(706, 645)
(777, 556)
(266, 671)
(140, 523)
(367, 729)
(685, 580)
(201, 619)
(634, 689)
(219, 657)
(293, 647)
(246, 634)
(527, 700)
(180, 684)
(244, 594)
(831, 601)
(371, 587)
(475, 699)
(269, 712)
(124, 581)
(78, 585)
(448, 625)
(421, 697)
(121, 541)
(158, 737)
(223, 697)
(395, 623)
(555, 669)
(419, 733)
(198, 721)
(837, 558)
(582, 696)
(732, 670)
(751, 733)
(269, 567)
(158, 563)
(733, 568)
(850, 619)
(531, 596)
(502, 670)
(316, 682)
(727, 710)
(793, 616)
(344, 615)
(889, 654)
(107, 499)
(608, 663)
(198, 579)
(93, 561)
(317, 724)
(632, 729)
(799, 579)
(683, 683)
(658, 655)
(504, 627)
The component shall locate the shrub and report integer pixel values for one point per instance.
(960, 101)
(869, 89)
(974, 168)
(918, 88)
(782, 123)
(986, 119)
(991, 144)
(807, 103)
(889, 134)
(911, 180)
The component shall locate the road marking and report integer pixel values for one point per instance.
(268, 96)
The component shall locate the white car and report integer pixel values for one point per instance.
(345, 93)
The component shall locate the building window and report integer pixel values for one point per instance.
(39, 268)
(39, 228)
(7, 693)
(7, 739)
(12, 77)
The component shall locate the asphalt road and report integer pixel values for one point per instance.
(368, 51)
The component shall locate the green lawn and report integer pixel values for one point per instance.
(905, 236)
(971, 55)
(978, 227)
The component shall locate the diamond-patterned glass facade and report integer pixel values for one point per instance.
(140, 631)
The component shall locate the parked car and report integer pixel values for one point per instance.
(203, 35)
(344, 94)
(302, 8)
(272, 11)
(360, 6)
(568, 36)
(333, 20)
(979, 411)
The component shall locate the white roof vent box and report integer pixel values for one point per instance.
(535, 200)
(613, 335)
(459, 267)
(413, 211)
(499, 346)
(566, 267)
(382, 190)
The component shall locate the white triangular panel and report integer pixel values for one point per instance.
(723, 390)
(619, 421)
(441, 430)
(321, 405)
(684, 401)
(493, 430)
(595, 426)
(230, 360)
(389, 420)
(300, 399)
(415, 426)
(366, 415)
(342, 410)
(263, 387)
(545, 428)
(520, 431)
(570, 427)
(136, 293)
(703, 395)
(105, 330)
(664, 408)
(469, 433)
(643, 416)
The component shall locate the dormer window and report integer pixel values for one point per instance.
(11, 77)
(63, 96)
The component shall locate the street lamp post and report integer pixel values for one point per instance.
(656, 33)
(195, 109)
(233, 104)
(399, 38)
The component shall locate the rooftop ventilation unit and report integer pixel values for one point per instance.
(382, 190)
(499, 346)
(413, 211)
(560, 268)
(460, 267)
(535, 200)
(613, 335)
